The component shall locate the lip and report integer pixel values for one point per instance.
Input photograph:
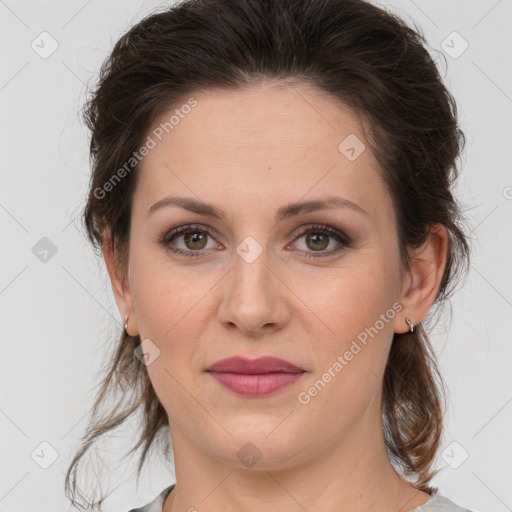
(257, 377)
(253, 366)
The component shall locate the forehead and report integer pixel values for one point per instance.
(272, 140)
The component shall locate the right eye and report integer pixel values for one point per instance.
(194, 239)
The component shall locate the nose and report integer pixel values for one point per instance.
(254, 297)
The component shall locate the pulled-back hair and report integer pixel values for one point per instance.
(360, 54)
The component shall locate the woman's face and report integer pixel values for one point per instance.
(255, 282)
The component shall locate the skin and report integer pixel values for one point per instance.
(250, 152)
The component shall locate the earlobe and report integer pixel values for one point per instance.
(422, 282)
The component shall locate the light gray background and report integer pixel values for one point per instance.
(59, 317)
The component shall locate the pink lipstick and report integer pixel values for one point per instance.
(257, 377)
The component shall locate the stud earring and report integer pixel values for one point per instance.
(410, 324)
(126, 327)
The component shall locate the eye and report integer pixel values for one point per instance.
(194, 240)
(318, 237)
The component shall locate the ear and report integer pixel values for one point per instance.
(421, 283)
(120, 285)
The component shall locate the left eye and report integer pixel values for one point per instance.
(317, 238)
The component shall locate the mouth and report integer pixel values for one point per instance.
(258, 377)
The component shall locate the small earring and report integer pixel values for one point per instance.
(410, 324)
(126, 327)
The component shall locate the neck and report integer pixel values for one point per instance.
(352, 474)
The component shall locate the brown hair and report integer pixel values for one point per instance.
(358, 53)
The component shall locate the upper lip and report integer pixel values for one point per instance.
(253, 366)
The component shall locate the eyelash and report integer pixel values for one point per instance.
(344, 241)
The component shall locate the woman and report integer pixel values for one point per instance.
(271, 192)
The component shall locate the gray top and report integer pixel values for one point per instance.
(436, 503)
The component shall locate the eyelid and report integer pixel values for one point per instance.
(168, 234)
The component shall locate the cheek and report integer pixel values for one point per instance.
(165, 295)
(351, 298)
(357, 311)
(171, 313)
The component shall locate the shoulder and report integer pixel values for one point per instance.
(439, 503)
(157, 504)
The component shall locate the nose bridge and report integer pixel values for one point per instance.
(251, 276)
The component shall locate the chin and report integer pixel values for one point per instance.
(264, 447)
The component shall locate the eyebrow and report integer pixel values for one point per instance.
(285, 212)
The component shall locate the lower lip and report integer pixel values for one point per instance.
(256, 385)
